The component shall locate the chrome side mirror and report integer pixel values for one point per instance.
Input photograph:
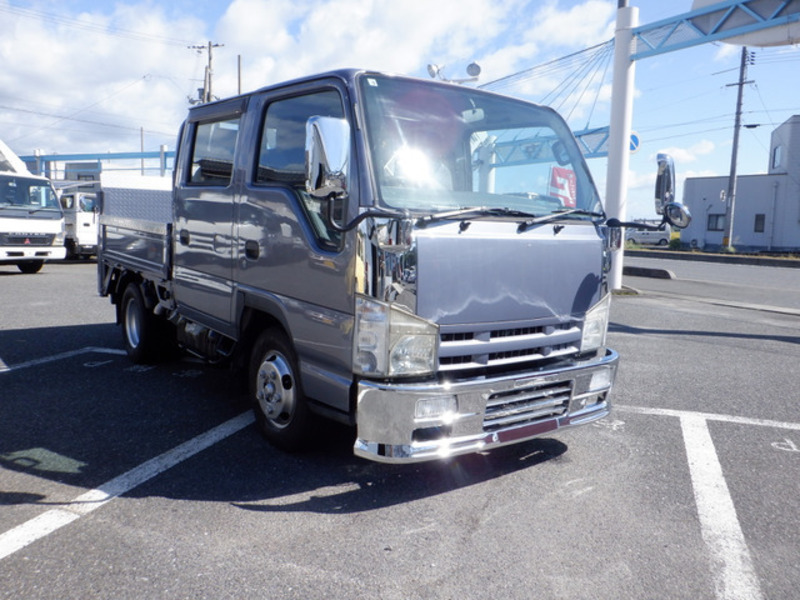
(613, 238)
(677, 215)
(327, 157)
(665, 182)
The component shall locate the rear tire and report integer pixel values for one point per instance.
(280, 407)
(29, 267)
(139, 327)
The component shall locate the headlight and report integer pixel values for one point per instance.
(390, 342)
(595, 325)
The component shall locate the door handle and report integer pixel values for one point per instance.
(183, 237)
(251, 249)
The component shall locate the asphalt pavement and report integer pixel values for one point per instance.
(773, 287)
(123, 481)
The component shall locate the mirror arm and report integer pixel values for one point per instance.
(613, 222)
(361, 217)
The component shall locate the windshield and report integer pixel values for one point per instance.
(443, 147)
(27, 194)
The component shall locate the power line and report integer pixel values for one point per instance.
(130, 34)
(72, 119)
(576, 75)
(555, 64)
(72, 116)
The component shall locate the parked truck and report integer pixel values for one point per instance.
(80, 223)
(31, 221)
(425, 261)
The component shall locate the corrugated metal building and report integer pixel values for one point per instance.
(767, 213)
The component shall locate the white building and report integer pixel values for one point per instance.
(767, 211)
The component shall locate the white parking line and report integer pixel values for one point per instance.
(4, 368)
(17, 538)
(665, 412)
(731, 565)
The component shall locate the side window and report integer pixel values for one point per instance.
(777, 156)
(716, 223)
(212, 152)
(281, 155)
(282, 150)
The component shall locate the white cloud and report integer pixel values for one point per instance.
(691, 153)
(581, 26)
(725, 51)
(89, 81)
(394, 36)
(86, 83)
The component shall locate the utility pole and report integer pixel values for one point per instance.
(731, 196)
(206, 95)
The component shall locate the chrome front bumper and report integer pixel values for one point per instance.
(17, 253)
(396, 423)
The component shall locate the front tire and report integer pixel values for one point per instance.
(280, 407)
(29, 267)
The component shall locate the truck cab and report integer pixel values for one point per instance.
(31, 222)
(81, 223)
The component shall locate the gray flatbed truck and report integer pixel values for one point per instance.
(425, 261)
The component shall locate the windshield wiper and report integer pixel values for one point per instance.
(557, 215)
(475, 211)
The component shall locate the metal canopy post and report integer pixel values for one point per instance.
(734, 20)
(620, 128)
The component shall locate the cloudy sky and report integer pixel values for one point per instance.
(88, 76)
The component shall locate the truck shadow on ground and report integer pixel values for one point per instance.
(619, 328)
(90, 416)
(342, 483)
(249, 474)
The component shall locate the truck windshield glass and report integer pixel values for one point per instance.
(442, 147)
(27, 194)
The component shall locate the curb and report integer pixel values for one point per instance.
(762, 261)
(647, 272)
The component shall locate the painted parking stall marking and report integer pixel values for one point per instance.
(17, 538)
(731, 564)
(4, 368)
(34, 529)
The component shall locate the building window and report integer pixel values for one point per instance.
(716, 222)
(777, 156)
(759, 225)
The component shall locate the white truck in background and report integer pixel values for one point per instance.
(81, 223)
(31, 220)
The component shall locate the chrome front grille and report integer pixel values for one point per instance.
(26, 239)
(472, 349)
(536, 402)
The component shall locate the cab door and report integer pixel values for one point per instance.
(86, 222)
(203, 220)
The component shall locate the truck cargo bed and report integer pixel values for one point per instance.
(135, 224)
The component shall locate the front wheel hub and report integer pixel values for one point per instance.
(275, 390)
